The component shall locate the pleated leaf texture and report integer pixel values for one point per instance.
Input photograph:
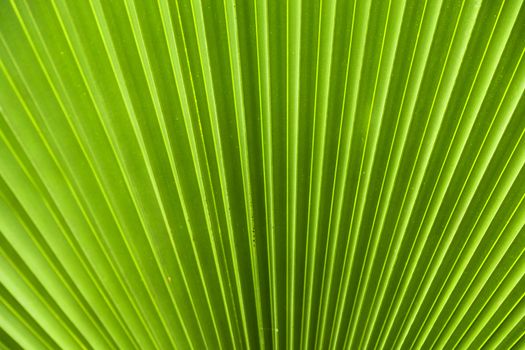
(262, 174)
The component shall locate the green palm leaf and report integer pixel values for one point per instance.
(262, 174)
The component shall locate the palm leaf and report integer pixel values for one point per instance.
(262, 174)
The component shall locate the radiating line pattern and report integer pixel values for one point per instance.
(262, 174)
